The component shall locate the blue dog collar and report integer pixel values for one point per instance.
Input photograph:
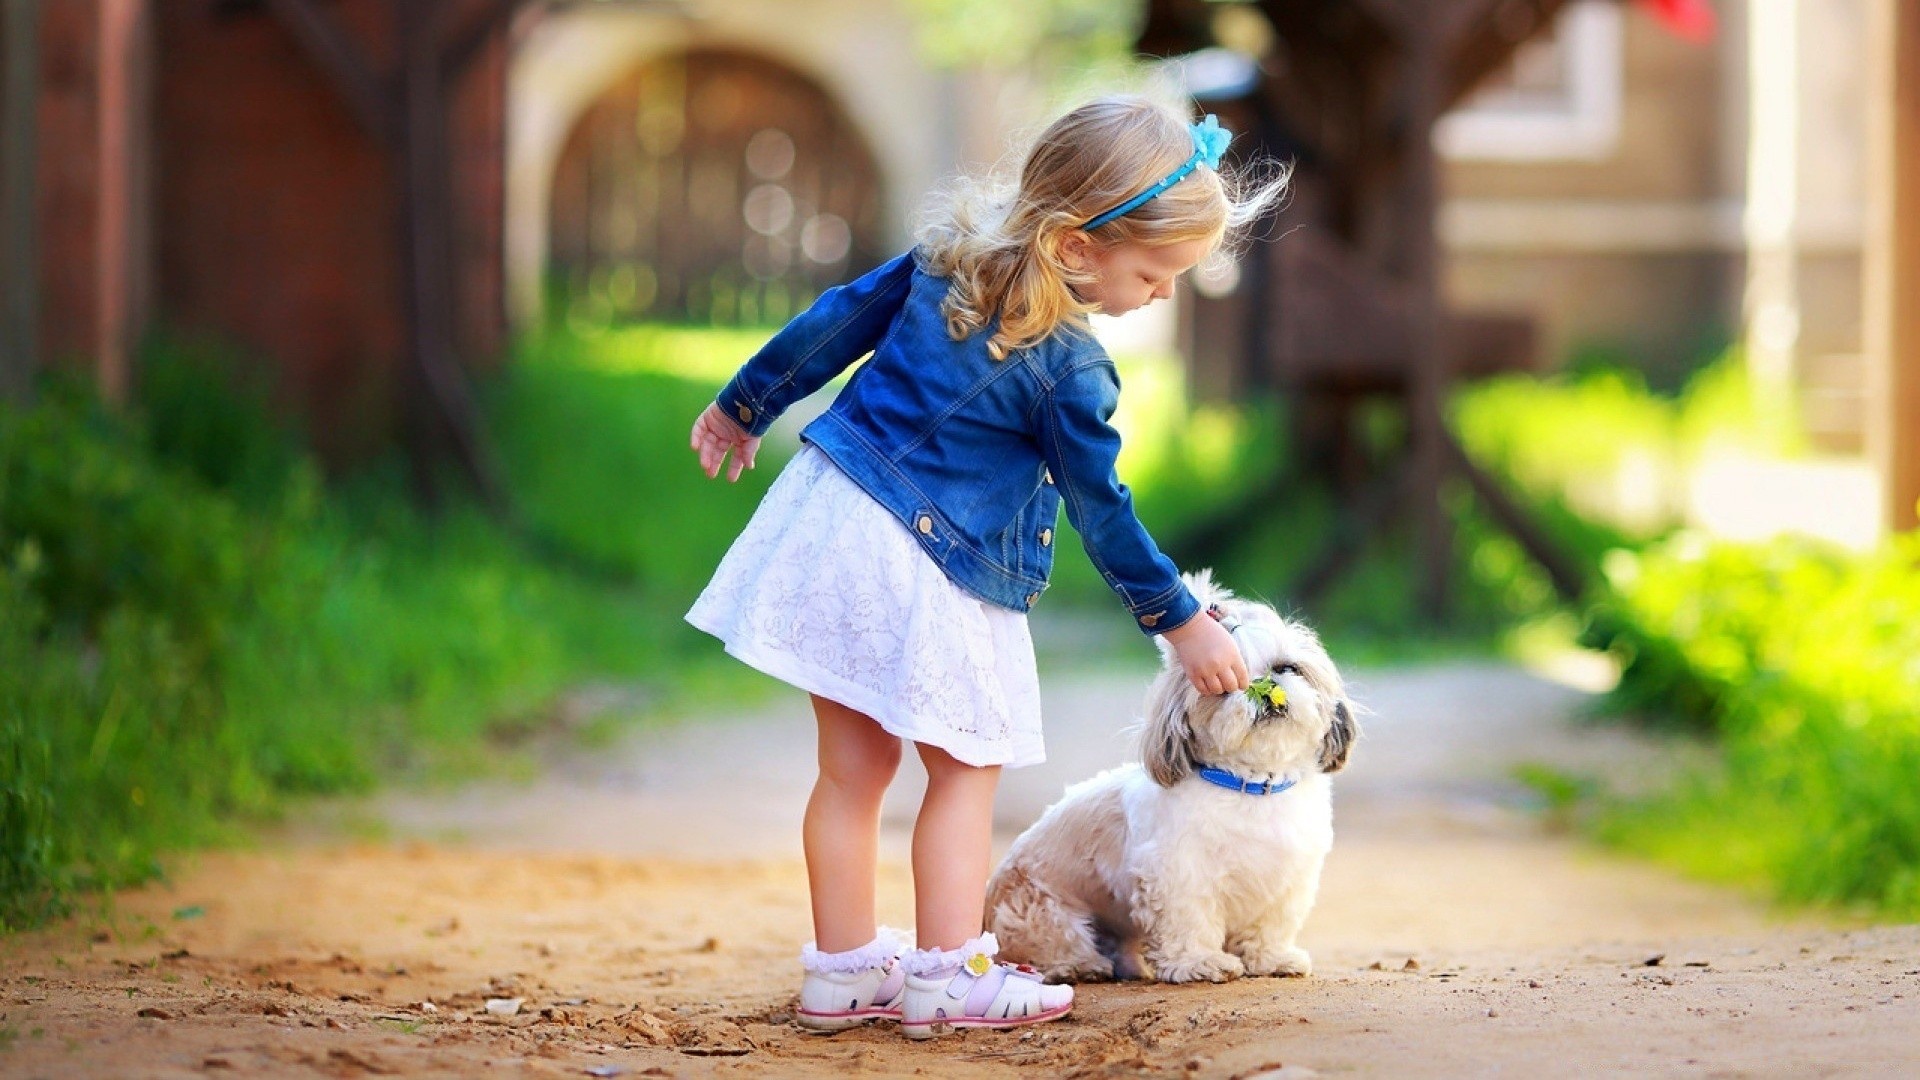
(1225, 779)
(1209, 144)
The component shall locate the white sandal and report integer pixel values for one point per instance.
(966, 988)
(847, 989)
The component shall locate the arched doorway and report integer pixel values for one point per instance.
(710, 187)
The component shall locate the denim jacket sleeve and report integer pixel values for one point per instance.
(1081, 447)
(821, 342)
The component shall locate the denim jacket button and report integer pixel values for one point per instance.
(1032, 598)
(746, 415)
(1046, 537)
(1047, 475)
(925, 525)
(1148, 621)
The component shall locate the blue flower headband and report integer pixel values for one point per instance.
(1209, 144)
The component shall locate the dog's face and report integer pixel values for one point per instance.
(1312, 732)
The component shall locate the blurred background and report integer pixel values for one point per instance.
(348, 350)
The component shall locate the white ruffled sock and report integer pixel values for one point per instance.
(889, 944)
(924, 962)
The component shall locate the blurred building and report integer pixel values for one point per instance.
(727, 159)
(1601, 184)
(1654, 197)
(1632, 193)
(194, 167)
(1649, 199)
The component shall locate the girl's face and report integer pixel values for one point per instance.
(1130, 275)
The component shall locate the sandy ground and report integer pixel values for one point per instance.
(644, 905)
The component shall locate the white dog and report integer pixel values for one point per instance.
(1204, 860)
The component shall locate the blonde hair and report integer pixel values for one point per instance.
(1001, 245)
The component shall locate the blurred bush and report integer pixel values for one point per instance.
(593, 423)
(193, 627)
(1606, 456)
(1801, 661)
(594, 430)
(1804, 662)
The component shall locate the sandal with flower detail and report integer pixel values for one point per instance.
(847, 989)
(949, 989)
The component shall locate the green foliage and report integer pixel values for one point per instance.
(1048, 34)
(194, 626)
(207, 412)
(1605, 457)
(594, 423)
(1797, 658)
(594, 430)
(1805, 662)
(183, 643)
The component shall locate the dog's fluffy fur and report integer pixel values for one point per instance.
(1150, 863)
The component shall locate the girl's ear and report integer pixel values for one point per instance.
(1076, 249)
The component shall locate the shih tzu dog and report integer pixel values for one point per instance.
(1202, 861)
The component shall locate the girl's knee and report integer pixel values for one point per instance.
(943, 769)
(863, 762)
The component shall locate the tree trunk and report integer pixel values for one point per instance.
(19, 245)
(442, 414)
(1417, 202)
(1893, 262)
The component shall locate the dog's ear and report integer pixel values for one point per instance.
(1339, 741)
(1166, 741)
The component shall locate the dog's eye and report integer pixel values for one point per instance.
(1287, 669)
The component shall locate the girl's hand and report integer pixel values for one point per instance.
(1207, 652)
(715, 435)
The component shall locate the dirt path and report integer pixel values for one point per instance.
(645, 906)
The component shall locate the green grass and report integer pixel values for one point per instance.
(1797, 660)
(594, 432)
(196, 628)
(1801, 659)
(184, 649)
(1603, 456)
(594, 426)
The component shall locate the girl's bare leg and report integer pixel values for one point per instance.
(842, 827)
(952, 849)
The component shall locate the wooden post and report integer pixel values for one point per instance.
(124, 93)
(326, 42)
(1418, 206)
(407, 116)
(19, 239)
(442, 403)
(1893, 259)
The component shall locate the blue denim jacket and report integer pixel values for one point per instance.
(975, 456)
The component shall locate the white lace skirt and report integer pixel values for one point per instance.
(827, 591)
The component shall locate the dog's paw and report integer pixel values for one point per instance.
(1084, 971)
(1288, 961)
(1199, 967)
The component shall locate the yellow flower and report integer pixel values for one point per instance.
(978, 963)
(1267, 691)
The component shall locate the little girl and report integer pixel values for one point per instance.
(888, 570)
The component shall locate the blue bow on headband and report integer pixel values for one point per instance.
(1209, 146)
(1210, 140)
